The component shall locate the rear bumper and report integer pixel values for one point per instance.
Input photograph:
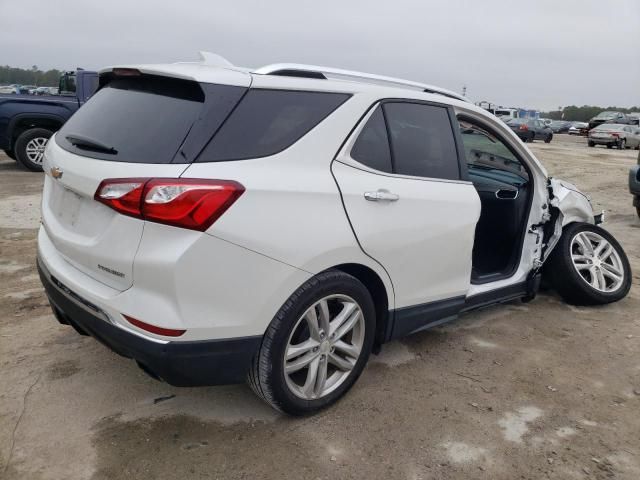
(183, 364)
(604, 141)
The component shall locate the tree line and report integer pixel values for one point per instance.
(584, 113)
(33, 76)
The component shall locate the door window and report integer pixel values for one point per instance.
(422, 141)
(488, 156)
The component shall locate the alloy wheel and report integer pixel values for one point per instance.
(35, 149)
(597, 262)
(324, 347)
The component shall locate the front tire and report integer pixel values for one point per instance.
(316, 345)
(588, 266)
(548, 138)
(10, 154)
(622, 144)
(29, 148)
(591, 144)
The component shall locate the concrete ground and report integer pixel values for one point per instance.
(537, 390)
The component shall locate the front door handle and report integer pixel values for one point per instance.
(381, 195)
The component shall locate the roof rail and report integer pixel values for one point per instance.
(315, 71)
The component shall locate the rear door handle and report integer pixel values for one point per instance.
(381, 195)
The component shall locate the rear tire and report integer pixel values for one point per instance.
(609, 145)
(591, 144)
(580, 275)
(622, 144)
(29, 148)
(286, 390)
(548, 138)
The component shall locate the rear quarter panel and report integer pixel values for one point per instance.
(291, 210)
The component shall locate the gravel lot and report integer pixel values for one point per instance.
(537, 390)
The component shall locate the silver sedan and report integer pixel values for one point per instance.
(614, 135)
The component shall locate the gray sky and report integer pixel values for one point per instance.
(537, 54)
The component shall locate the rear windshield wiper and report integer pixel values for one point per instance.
(81, 141)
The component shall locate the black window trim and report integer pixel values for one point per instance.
(347, 96)
(351, 138)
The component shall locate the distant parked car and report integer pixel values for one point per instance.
(13, 88)
(560, 126)
(529, 129)
(634, 118)
(27, 89)
(609, 117)
(611, 134)
(578, 128)
(46, 91)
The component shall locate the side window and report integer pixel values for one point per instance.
(265, 122)
(488, 156)
(372, 146)
(422, 141)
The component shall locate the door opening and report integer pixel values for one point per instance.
(504, 185)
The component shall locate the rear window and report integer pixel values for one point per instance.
(139, 120)
(269, 121)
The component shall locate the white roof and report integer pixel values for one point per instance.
(213, 68)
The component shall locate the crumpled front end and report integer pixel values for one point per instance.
(574, 206)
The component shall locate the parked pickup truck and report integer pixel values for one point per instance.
(28, 121)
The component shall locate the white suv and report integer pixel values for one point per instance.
(217, 224)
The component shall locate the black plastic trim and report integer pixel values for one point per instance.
(412, 319)
(292, 72)
(499, 295)
(408, 320)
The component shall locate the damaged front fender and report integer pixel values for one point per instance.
(568, 205)
(574, 206)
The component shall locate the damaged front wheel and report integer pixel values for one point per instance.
(588, 266)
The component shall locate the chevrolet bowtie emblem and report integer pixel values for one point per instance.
(56, 172)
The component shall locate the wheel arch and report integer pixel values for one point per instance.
(25, 121)
(376, 287)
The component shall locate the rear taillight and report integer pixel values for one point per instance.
(524, 127)
(615, 135)
(181, 202)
